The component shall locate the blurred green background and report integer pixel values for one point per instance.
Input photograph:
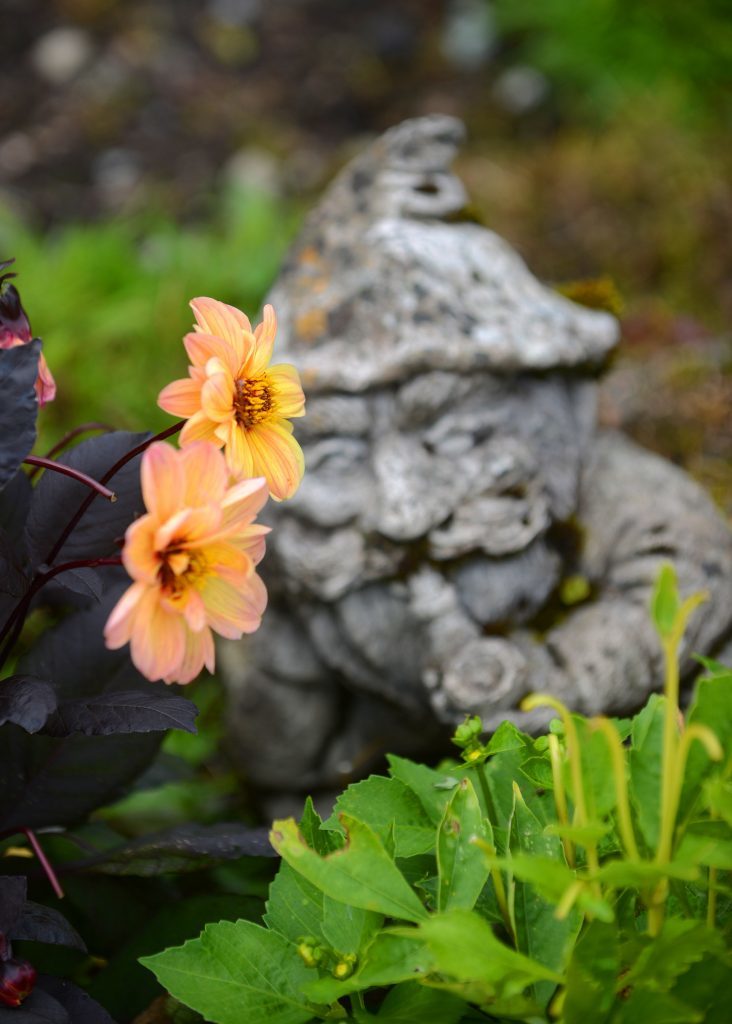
(154, 150)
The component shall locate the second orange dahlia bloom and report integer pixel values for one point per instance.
(192, 558)
(235, 399)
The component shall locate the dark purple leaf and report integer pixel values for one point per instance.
(12, 900)
(44, 924)
(123, 711)
(183, 848)
(38, 1008)
(15, 499)
(57, 498)
(80, 1007)
(84, 581)
(26, 701)
(18, 406)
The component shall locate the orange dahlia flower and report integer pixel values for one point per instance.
(192, 559)
(235, 399)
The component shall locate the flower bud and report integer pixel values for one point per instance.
(15, 329)
(17, 978)
(14, 324)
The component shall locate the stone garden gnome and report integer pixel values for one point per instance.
(455, 482)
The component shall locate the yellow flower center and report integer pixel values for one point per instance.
(179, 570)
(253, 400)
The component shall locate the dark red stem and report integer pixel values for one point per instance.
(70, 526)
(44, 862)
(17, 617)
(75, 474)
(85, 428)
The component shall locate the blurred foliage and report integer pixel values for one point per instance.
(601, 54)
(110, 299)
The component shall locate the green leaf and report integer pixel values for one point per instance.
(124, 987)
(362, 873)
(234, 972)
(348, 929)
(431, 787)
(708, 843)
(538, 771)
(394, 956)
(411, 1002)
(665, 600)
(645, 769)
(670, 954)
(592, 832)
(638, 874)
(506, 737)
(712, 707)
(597, 769)
(592, 975)
(382, 803)
(294, 906)
(318, 838)
(461, 866)
(465, 950)
(645, 1007)
(540, 934)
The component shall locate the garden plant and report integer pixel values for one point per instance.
(578, 876)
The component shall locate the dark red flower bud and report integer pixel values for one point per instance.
(14, 323)
(15, 329)
(17, 978)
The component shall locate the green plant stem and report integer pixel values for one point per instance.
(560, 796)
(617, 757)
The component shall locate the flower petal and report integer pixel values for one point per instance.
(232, 610)
(285, 382)
(189, 528)
(202, 347)
(118, 628)
(278, 457)
(199, 428)
(45, 384)
(239, 457)
(162, 480)
(217, 398)
(182, 397)
(199, 651)
(158, 642)
(205, 474)
(264, 334)
(139, 555)
(242, 503)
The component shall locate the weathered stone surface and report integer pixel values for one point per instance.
(454, 479)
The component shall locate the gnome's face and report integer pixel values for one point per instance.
(442, 470)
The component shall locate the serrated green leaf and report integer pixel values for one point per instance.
(670, 954)
(383, 803)
(705, 987)
(665, 601)
(361, 873)
(645, 769)
(506, 737)
(592, 975)
(461, 866)
(597, 769)
(431, 787)
(234, 972)
(294, 907)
